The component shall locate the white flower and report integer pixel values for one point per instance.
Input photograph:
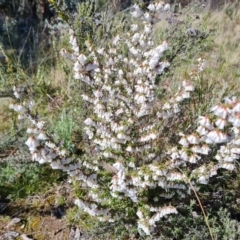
(119, 111)
(161, 67)
(217, 136)
(174, 153)
(194, 158)
(188, 86)
(123, 136)
(196, 149)
(43, 158)
(73, 41)
(22, 116)
(16, 94)
(202, 130)
(98, 93)
(236, 120)
(193, 139)
(139, 98)
(237, 141)
(231, 100)
(176, 108)
(184, 155)
(82, 59)
(91, 66)
(207, 140)
(179, 98)
(231, 158)
(167, 7)
(31, 104)
(77, 75)
(201, 64)
(35, 156)
(131, 164)
(40, 124)
(100, 51)
(235, 150)
(213, 172)
(145, 228)
(32, 130)
(184, 142)
(147, 30)
(32, 143)
(162, 48)
(186, 95)
(89, 122)
(137, 11)
(205, 149)
(119, 166)
(76, 52)
(236, 108)
(203, 180)
(159, 6)
(228, 166)
(147, 17)
(134, 27)
(205, 122)
(151, 7)
(221, 123)
(221, 110)
(116, 40)
(167, 210)
(42, 136)
(50, 145)
(166, 106)
(77, 67)
(134, 51)
(167, 195)
(18, 108)
(129, 149)
(56, 164)
(172, 176)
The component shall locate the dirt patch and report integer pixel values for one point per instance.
(39, 217)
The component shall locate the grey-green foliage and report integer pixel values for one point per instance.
(190, 225)
(63, 129)
(84, 24)
(69, 5)
(222, 226)
(20, 177)
(225, 228)
(96, 26)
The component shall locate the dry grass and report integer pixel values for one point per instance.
(221, 50)
(223, 69)
(5, 116)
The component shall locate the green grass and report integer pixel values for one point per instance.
(19, 179)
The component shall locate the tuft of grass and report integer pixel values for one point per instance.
(63, 127)
(21, 178)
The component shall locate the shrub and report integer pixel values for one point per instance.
(136, 165)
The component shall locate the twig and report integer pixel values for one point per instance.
(199, 202)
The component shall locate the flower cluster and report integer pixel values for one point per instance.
(221, 128)
(123, 124)
(172, 107)
(146, 223)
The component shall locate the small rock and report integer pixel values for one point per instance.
(13, 222)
